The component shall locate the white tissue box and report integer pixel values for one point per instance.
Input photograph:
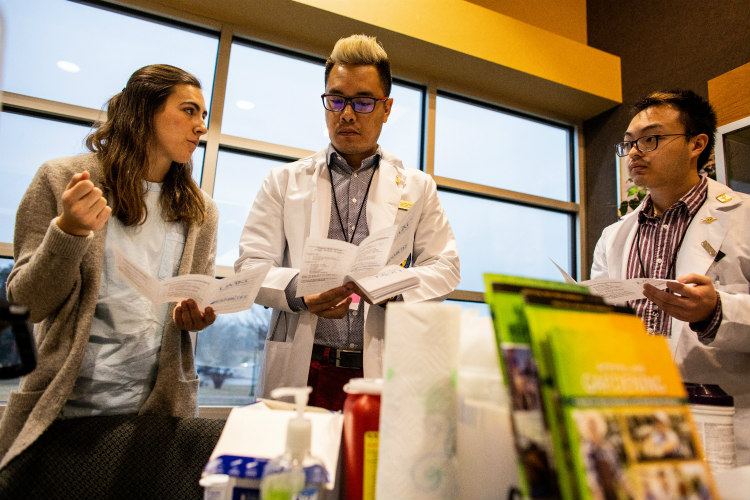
(222, 487)
(255, 434)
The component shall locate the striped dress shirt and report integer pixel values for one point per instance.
(654, 252)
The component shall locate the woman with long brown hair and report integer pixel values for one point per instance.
(104, 349)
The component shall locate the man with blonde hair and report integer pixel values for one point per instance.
(345, 192)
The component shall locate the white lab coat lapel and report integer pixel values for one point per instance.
(385, 193)
(293, 364)
(382, 207)
(693, 258)
(320, 215)
(625, 242)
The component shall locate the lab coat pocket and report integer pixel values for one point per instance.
(283, 366)
(278, 357)
(288, 363)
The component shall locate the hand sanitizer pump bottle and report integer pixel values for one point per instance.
(296, 474)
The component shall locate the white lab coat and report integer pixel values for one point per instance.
(294, 203)
(725, 360)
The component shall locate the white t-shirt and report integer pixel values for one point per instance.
(119, 367)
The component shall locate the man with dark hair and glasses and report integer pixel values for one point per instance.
(347, 191)
(694, 230)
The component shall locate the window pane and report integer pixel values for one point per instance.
(79, 54)
(274, 98)
(26, 143)
(198, 157)
(499, 237)
(284, 107)
(238, 179)
(481, 308)
(8, 385)
(6, 264)
(228, 357)
(485, 146)
(402, 134)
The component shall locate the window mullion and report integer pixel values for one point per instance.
(217, 110)
(429, 139)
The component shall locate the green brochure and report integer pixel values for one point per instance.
(533, 442)
(620, 423)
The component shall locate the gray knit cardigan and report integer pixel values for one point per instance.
(57, 275)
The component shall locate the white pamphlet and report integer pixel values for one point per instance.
(328, 263)
(620, 291)
(391, 281)
(228, 295)
(617, 291)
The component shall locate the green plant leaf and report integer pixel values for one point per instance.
(623, 208)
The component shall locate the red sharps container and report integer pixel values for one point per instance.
(361, 424)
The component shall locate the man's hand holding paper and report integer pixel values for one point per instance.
(331, 304)
(328, 264)
(693, 298)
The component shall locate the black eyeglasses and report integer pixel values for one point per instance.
(333, 102)
(644, 144)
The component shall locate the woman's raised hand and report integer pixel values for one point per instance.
(84, 207)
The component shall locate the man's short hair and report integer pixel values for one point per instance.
(361, 50)
(696, 114)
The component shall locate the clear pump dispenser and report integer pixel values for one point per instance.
(296, 474)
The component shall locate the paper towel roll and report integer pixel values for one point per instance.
(417, 456)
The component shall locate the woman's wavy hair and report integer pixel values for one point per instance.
(123, 141)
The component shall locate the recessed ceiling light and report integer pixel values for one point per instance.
(68, 66)
(246, 105)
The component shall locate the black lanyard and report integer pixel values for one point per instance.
(679, 243)
(364, 200)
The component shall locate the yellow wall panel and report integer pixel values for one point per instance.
(484, 33)
(564, 17)
(453, 45)
(729, 94)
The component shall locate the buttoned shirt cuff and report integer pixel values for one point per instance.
(708, 328)
(296, 304)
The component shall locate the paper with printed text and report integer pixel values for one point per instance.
(228, 295)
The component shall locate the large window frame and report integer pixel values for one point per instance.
(569, 208)
(215, 140)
